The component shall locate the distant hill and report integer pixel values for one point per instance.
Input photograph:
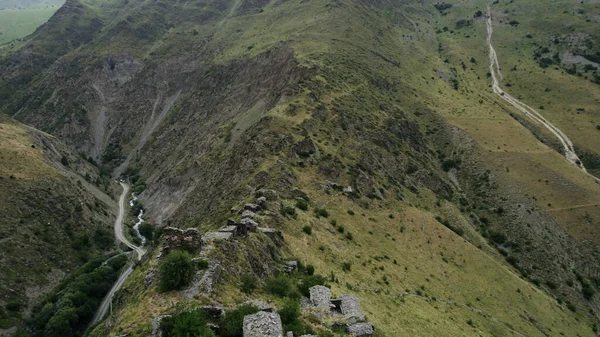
(22, 4)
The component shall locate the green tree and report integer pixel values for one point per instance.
(176, 270)
(232, 324)
(146, 230)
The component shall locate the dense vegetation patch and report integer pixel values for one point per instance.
(67, 310)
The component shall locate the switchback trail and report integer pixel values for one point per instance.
(105, 305)
(524, 108)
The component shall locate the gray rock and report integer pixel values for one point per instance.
(262, 306)
(351, 308)
(262, 202)
(269, 194)
(263, 324)
(290, 266)
(250, 224)
(252, 208)
(320, 297)
(361, 330)
(271, 233)
(156, 329)
(248, 214)
(150, 277)
(216, 236)
(229, 229)
(211, 277)
(290, 334)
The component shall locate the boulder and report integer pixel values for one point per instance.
(304, 148)
(252, 207)
(271, 233)
(320, 297)
(361, 330)
(249, 224)
(262, 202)
(229, 229)
(216, 236)
(248, 214)
(351, 309)
(269, 194)
(290, 266)
(150, 277)
(263, 324)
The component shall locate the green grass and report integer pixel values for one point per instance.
(18, 23)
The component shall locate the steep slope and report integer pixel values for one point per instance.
(463, 223)
(52, 218)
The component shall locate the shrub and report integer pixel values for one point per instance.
(202, 264)
(571, 306)
(310, 281)
(351, 212)
(333, 222)
(279, 285)
(192, 323)
(146, 230)
(289, 211)
(310, 270)
(176, 270)
(349, 236)
(232, 324)
(302, 204)
(340, 229)
(248, 284)
(289, 319)
(321, 212)
(307, 230)
(346, 266)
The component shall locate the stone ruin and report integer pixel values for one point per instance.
(249, 221)
(175, 238)
(263, 324)
(347, 305)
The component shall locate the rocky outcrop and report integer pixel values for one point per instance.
(263, 324)
(175, 238)
(320, 297)
(156, 329)
(351, 309)
(361, 330)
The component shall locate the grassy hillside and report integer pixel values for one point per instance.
(52, 218)
(466, 218)
(20, 19)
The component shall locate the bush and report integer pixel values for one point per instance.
(176, 270)
(349, 236)
(302, 204)
(289, 319)
(321, 212)
(232, 324)
(310, 281)
(249, 284)
(192, 323)
(146, 230)
(346, 266)
(307, 230)
(289, 211)
(310, 270)
(340, 229)
(279, 286)
(351, 212)
(202, 264)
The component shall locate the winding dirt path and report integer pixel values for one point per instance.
(106, 302)
(524, 108)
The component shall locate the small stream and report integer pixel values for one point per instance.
(140, 220)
